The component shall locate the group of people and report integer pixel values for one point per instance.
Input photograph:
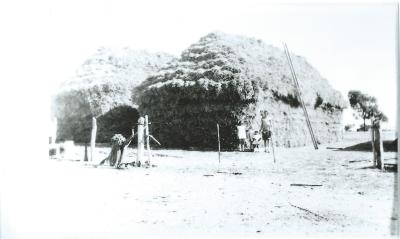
(251, 139)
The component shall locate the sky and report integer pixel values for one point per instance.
(351, 45)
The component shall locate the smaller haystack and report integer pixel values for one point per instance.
(102, 88)
(229, 79)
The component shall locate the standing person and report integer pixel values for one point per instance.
(249, 137)
(265, 130)
(242, 136)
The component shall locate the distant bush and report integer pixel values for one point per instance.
(348, 127)
(289, 99)
(318, 101)
(363, 127)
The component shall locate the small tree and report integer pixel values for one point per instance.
(348, 127)
(366, 106)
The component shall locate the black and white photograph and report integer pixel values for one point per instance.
(205, 119)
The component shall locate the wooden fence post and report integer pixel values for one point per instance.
(93, 139)
(140, 147)
(146, 127)
(373, 145)
(85, 157)
(381, 157)
(377, 145)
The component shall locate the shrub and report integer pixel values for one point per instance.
(318, 101)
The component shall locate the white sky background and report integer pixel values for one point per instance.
(352, 45)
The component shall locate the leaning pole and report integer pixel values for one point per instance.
(299, 94)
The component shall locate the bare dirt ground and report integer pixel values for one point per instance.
(189, 193)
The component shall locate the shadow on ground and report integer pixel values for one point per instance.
(388, 146)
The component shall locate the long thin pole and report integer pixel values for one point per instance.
(140, 141)
(219, 145)
(93, 139)
(299, 94)
(146, 122)
(396, 201)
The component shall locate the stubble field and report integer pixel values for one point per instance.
(189, 193)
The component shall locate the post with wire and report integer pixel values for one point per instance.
(140, 141)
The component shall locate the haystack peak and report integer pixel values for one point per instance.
(224, 77)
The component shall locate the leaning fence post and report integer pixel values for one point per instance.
(140, 141)
(93, 139)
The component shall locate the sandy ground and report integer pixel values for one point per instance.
(189, 193)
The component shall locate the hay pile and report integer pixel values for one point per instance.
(103, 88)
(228, 79)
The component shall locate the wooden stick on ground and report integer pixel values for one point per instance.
(310, 212)
(306, 185)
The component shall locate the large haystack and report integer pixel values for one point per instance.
(103, 89)
(227, 79)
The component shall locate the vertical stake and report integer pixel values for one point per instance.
(219, 145)
(381, 156)
(53, 135)
(373, 144)
(146, 127)
(93, 139)
(85, 158)
(140, 147)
